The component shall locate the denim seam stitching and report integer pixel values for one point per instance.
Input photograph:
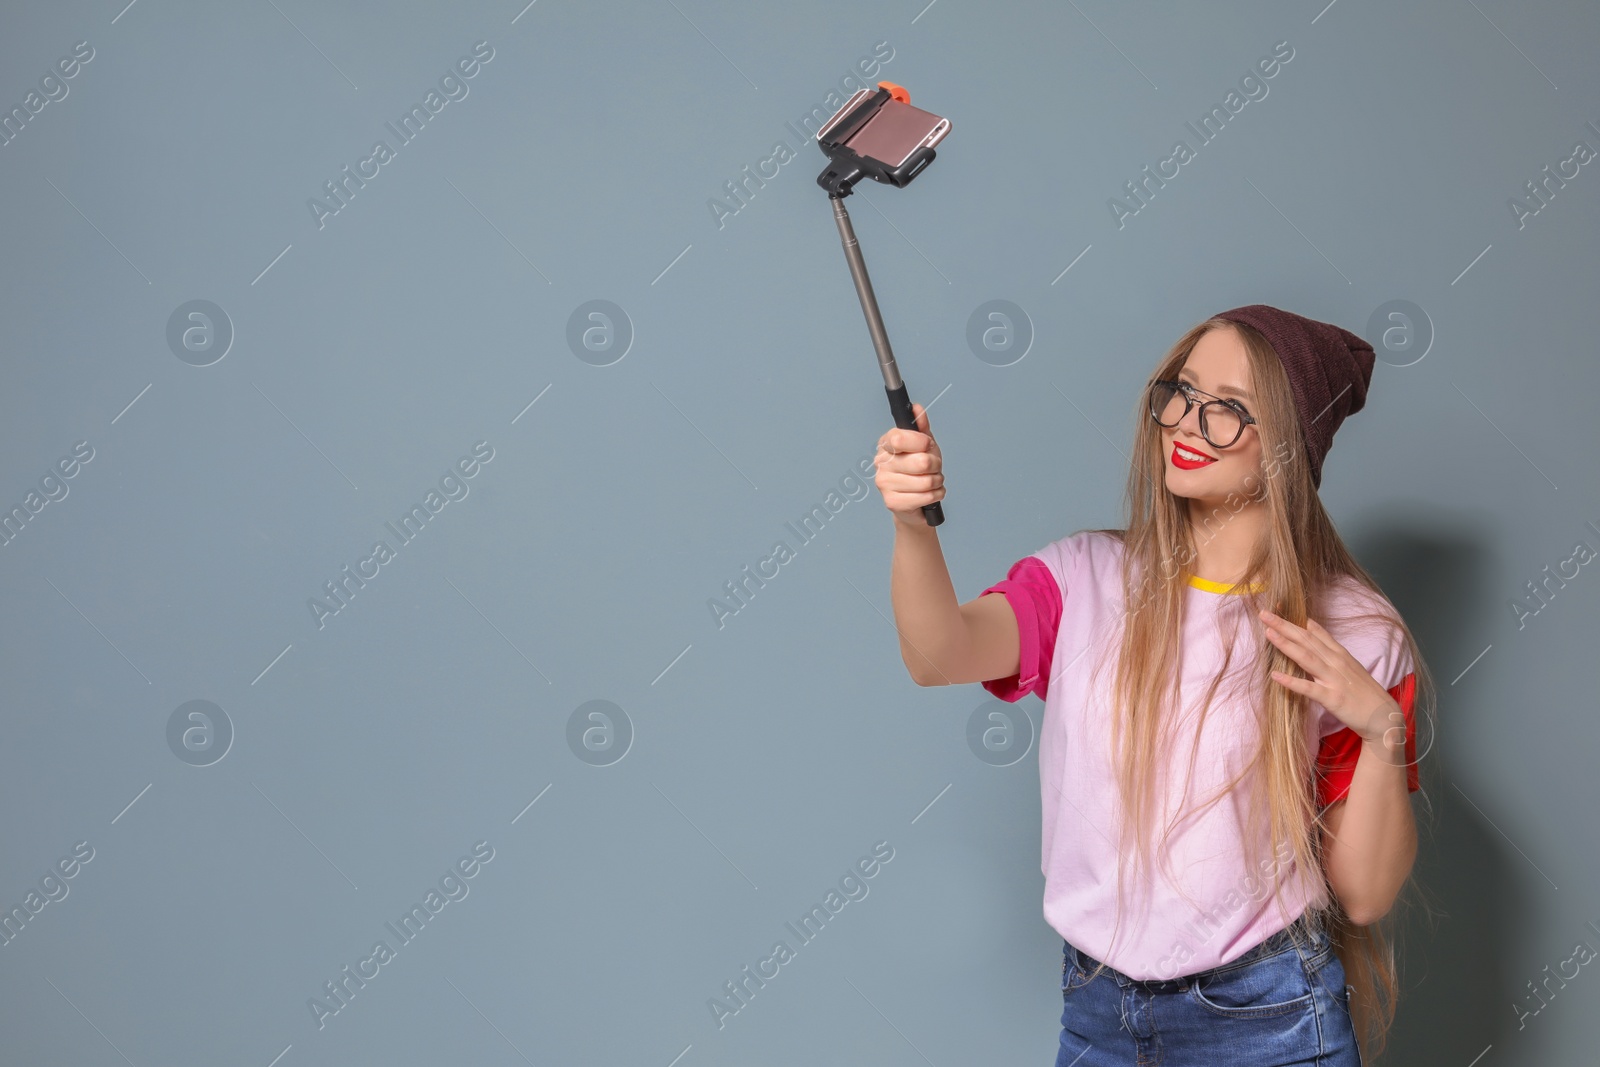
(1244, 961)
(1269, 1011)
(1308, 969)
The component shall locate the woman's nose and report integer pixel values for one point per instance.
(1191, 420)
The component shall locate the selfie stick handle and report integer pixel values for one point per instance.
(899, 400)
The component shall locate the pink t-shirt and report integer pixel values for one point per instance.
(1068, 601)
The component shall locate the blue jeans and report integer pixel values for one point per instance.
(1276, 1005)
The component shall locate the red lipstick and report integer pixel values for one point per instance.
(1186, 461)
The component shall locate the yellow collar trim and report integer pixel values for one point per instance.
(1222, 587)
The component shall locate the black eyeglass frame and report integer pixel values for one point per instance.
(1189, 392)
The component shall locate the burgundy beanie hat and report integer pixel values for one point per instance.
(1329, 369)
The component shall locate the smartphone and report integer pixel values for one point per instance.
(878, 134)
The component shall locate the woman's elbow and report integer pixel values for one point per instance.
(1365, 915)
(1369, 904)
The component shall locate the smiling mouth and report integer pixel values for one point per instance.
(1185, 458)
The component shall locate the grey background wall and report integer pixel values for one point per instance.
(617, 794)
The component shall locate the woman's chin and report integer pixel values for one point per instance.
(1197, 486)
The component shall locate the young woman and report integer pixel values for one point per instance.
(1228, 744)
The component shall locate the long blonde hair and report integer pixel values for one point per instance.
(1292, 571)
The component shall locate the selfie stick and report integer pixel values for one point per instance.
(838, 182)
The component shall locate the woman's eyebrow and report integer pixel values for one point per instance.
(1188, 375)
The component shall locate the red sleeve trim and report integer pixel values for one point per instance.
(1336, 758)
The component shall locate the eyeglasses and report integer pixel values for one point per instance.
(1221, 420)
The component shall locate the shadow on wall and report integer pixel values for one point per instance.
(1455, 998)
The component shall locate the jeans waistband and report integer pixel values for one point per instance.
(1315, 938)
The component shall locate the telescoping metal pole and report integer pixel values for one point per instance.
(899, 400)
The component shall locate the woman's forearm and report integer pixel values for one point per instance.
(1375, 841)
(926, 612)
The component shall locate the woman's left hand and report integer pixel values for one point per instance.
(1338, 680)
